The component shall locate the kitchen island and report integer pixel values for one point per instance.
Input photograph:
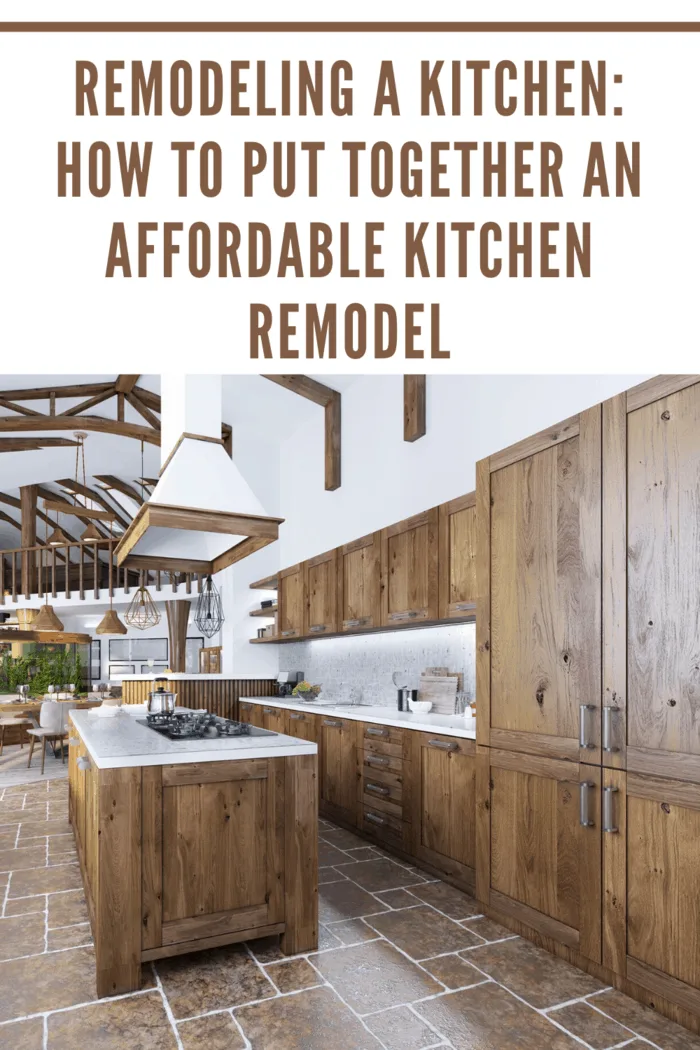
(190, 844)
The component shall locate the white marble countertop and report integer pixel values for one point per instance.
(180, 676)
(120, 741)
(448, 725)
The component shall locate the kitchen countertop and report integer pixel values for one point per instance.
(180, 676)
(447, 725)
(120, 742)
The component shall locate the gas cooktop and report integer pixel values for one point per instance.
(199, 725)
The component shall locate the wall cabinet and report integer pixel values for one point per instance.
(320, 594)
(410, 570)
(338, 764)
(359, 584)
(457, 556)
(290, 602)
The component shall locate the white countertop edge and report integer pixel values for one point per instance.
(427, 723)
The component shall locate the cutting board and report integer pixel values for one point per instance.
(441, 690)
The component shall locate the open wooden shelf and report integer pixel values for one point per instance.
(264, 612)
(263, 641)
(268, 583)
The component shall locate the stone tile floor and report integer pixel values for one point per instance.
(404, 963)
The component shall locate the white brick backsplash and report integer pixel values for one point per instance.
(367, 662)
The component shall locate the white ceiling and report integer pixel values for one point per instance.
(251, 404)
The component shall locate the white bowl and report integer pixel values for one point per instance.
(420, 706)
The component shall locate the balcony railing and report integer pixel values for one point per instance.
(78, 569)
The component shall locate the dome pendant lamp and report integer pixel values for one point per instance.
(209, 614)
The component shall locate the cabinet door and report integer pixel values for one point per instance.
(251, 713)
(410, 570)
(320, 587)
(539, 857)
(290, 602)
(539, 627)
(360, 584)
(275, 718)
(457, 557)
(340, 775)
(443, 803)
(302, 725)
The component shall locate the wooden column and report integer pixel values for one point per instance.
(300, 855)
(178, 615)
(413, 407)
(27, 501)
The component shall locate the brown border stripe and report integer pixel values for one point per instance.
(349, 27)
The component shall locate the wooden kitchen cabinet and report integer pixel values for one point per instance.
(302, 725)
(253, 714)
(457, 557)
(539, 852)
(320, 594)
(274, 718)
(359, 585)
(443, 804)
(539, 638)
(290, 602)
(338, 765)
(410, 591)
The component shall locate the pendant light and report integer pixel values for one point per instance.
(143, 611)
(110, 623)
(47, 619)
(209, 615)
(91, 534)
(57, 538)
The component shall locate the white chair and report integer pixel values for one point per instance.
(53, 726)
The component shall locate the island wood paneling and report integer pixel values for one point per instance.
(220, 696)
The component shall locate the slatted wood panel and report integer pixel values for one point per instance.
(359, 584)
(545, 593)
(663, 501)
(220, 696)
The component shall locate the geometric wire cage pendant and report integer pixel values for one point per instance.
(142, 612)
(209, 615)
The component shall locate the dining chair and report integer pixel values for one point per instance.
(53, 726)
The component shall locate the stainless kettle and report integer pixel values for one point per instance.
(160, 701)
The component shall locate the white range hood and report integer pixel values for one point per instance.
(202, 515)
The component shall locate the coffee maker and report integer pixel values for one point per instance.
(286, 680)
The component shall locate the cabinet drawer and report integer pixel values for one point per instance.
(380, 797)
(389, 734)
(386, 828)
(385, 740)
(373, 762)
(450, 744)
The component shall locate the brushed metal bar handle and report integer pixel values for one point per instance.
(609, 825)
(608, 729)
(376, 760)
(316, 628)
(286, 634)
(356, 623)
(585, 788)
(84, 763)
(410, 614)
(73, 741)
(373, 731)
(374, 819)
(333, 725)
(583, 728)
(297, 717)
(463, 606)
(379, 789)
(443, 745)
(270, 710)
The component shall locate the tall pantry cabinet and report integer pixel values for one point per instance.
(588, 684)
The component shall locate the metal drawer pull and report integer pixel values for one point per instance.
(372, 731)
(286, 634)
(270, 710)
(316, 628)
(583, 731)
(73, 741)
(608, 817)
(376, 760)
(608, 729)
(356, 623)
(297, 717)
(333, 725)
(84, 763)
(378, 788)
(584, 789)
(443, 745)
(411, 614)
(374, 819)
(462, 606)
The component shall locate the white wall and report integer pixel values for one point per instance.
(386, 479)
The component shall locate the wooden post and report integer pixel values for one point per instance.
(178, 613)
(27, 502)
(300, 855)
(413, 407)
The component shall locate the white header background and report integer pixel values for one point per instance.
(635, 313)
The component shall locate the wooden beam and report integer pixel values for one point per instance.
(148, 398)
(20, 444)
(158, 564)
(142, 410)
(61, 637)
(112, 482)
(96, 496)
(43, 393)
(413, 407)
(10, 424)
(27, 499)
(76, 410)
(4, 403)
(77, 511)
(330, 401)
(125, 384)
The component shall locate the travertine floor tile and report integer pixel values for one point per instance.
(314, 1020)
(328, 855)
(374, 976)
(453, 971)
(447, 899)
(345, 900)
(267, 949)
(646, 1022)
(21, 936)
(23, 1035)
(40, 829)
(46, 982)
(25, 906)
(138, 1022)
(595, 1029)
(353, 931)
(377, 875)
(487, 928)
(400, 1029)
(487, 1017)
(19, 859)
(293, 975)
(212, 980)
(343, 839)
(329, 875)
(67, 909)
(45, 880)
(215, 1032)
(422, 932)
(69, 937)
(536, 976)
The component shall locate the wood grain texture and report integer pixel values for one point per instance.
(614, 931)
(339, 765)
(530, 446)
(444, 799)
(535, 920)
(663, 763)
(656, 388)
(320, 606)
(414, 390)
(656, 981)
(203, 943)
(220, 696)
(178, 613)
(676, 792)
(332, 457)
(152, 856)
(360, 584)
(202, 927)
(614, 576)
(214, 772)
(483, 825)
(290, 602)
(663, 860)
(300, 855)
(663, 501)
(457, 556)
(483, 607)
(410, 570)
(536, 744)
